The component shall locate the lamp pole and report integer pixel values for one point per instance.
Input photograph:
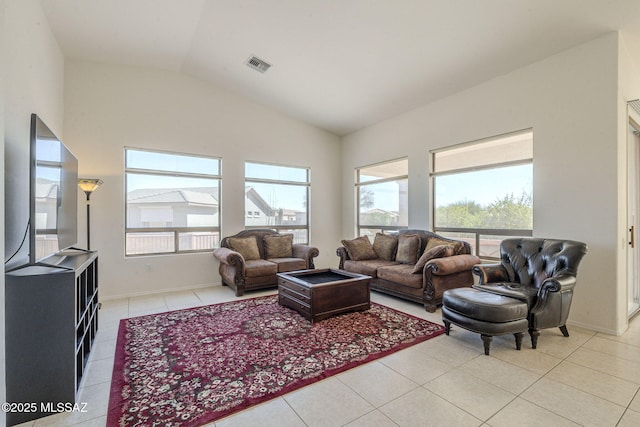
(88, 193)
(89, 186)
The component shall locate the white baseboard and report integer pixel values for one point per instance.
(597, 329)
(160, 291)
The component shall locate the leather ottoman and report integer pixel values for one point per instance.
(485, 313)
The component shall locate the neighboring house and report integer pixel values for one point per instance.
(199, 207)
(169, 207)
(260, 212)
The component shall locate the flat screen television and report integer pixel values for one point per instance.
(53, 194)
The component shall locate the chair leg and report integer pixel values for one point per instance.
(564, 330)
(447, 326)
(486, 340)
(519, 336)
(534, 337)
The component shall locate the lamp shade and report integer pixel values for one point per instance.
(88, 185)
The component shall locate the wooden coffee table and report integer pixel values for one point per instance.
(319, 294)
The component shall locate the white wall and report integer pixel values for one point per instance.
(31, 81)
(570, 102)
(110, 107)
(34, 79)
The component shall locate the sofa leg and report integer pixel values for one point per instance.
(239, 292)
(564, 330)
(534, 337)
(447, 327)
(486, 340)
(431, 308)
(519, 336)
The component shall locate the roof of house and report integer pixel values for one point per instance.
(171, 196)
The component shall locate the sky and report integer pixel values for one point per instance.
(483, 187)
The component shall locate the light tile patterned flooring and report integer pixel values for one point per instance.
(589, 379)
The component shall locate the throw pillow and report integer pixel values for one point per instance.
(408, 247)
(456, 245)
(278, 246)
(360, 249)
(385, 246)
(439, 251)
(246, 246)
(435, 241)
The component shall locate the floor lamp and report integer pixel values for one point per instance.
(89, 186)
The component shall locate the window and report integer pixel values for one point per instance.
(172, 202)
(483, 191)
(278, 197)
(382, 197)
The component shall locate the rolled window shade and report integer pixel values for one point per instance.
(504, 149)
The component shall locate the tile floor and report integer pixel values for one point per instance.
(589, 379)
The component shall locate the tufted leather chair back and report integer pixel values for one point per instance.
(532, 260)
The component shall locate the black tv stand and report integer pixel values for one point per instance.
(51, 315)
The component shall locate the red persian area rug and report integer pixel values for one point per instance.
(190, 367)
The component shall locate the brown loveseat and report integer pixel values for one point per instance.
(416, 265)
(251, 259)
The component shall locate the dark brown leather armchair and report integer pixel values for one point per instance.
(540, 272)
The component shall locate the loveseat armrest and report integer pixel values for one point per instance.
(451, 264)
(306, 252)
(441, 274)
(227, 256)
(491, 273)
(343, 254)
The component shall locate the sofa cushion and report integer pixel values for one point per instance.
(360, 249)
(259, 267)
(385, 246)
(408, 247)
(289, 264)
(401, 273)
(439, 251)
(246, 246)
(278, 246)
(366, 267)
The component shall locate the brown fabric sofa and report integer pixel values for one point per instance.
(419, 268)
(252, 258)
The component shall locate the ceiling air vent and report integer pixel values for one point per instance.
(258, 64)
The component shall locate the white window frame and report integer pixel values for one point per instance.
(176, 231)
(301, 232)
(476, 236)
(360, 184)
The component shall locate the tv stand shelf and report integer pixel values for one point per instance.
(51, 323)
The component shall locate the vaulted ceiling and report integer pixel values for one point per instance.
(340, 65)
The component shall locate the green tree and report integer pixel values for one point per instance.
(507, 212)
(510, 212)
(462, 214)
(366, 198)
(378, 218)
